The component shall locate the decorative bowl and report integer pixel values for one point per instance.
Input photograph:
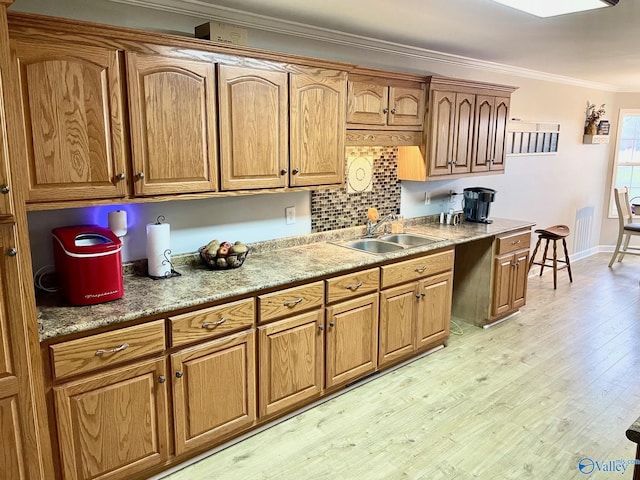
(227, 262)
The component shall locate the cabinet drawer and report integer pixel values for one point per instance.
(417, 268)
(347, 286)
(290, 301)
(211, 322)
(106, 349)
(513, 242)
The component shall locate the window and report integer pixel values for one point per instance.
(626, 172)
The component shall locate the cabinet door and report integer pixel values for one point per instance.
(6, 197)
(318, 127)
(214, 388)
(352, 339)
(406, 106)
(72, 111)
(483, 133)
(368, 103)
(442, 129)
(502, 284)
(520, 274)
(115, 424)
(434, 311)
(463, 133)
(291, 361)
(500, 118)
(172, 107)
(398, 308)
(254, 127)
(11, 414)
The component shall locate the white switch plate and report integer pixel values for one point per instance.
(290, 215)
(427, 198)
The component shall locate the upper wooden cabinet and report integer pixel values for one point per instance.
(492, 115)
(6, 198)
(384, 100)
(452, 132)
(317, 126)
(465, 131)
(72, 112)
(254, 128)
(271, 137)
(172, 105)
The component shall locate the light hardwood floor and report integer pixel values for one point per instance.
(524, 399)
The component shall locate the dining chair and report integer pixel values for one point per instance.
(626, 227)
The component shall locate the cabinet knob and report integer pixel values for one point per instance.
(12, 252)
(295, 171)
(140, 175)
(385, 110)
(321, 327)
(4, 189)
(420, 295)
(162, 379)
(284, 171)
(121, 176)
(179, 374)
(332, 324)
(393, 111)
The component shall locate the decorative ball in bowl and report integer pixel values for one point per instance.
(223, 255)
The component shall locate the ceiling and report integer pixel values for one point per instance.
(599, 46)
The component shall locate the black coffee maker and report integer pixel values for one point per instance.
(476, 203)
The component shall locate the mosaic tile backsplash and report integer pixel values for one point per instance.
(334, 208)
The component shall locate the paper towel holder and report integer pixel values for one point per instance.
(167, 258)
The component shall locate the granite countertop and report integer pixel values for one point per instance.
(269, 264)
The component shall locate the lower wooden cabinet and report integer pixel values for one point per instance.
(416, 314)
(214, 388)
(291, 361)
(510, 282)
(114, 424)
(397, 318)
(434, 310)
(491, 277)
(352, 340)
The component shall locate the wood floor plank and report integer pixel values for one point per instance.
(525, 399)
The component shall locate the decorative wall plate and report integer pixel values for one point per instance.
(359, 174)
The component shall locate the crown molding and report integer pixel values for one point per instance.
(201, 9)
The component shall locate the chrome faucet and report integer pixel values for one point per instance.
(372, 227)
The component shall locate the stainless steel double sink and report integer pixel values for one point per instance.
(390, 243)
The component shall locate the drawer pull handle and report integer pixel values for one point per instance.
(122, 347)
(293, 303)
(516, 242)
(353, 288)
(214, 324)
(421, 269)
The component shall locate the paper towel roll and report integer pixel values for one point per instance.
(158, 242)
(118, 222)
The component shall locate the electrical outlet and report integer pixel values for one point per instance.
(427, 198)
(290, 215)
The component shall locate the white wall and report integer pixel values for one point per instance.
(544, 189)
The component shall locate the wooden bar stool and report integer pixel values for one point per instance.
(555, 233)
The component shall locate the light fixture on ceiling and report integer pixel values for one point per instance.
(551, 8)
